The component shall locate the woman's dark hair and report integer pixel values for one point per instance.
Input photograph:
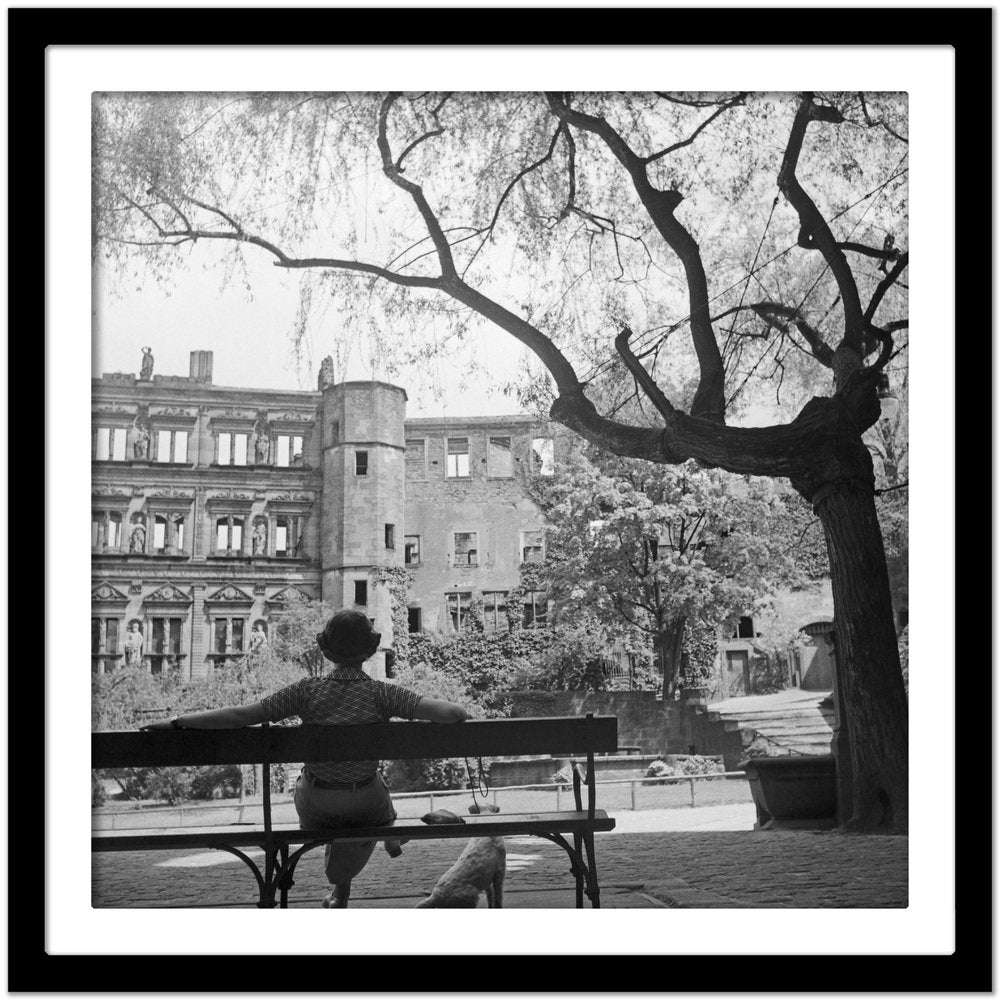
(348, 635)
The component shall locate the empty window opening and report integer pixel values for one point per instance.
(466, 548)
(232, 448)
(361, 592)
(458, 457)
(459, 609)
(289, 449)
(390, 536)
(413, 616)
(495, 610)
(532, 546)
(411, 550)
(535, 609)
(229, 535)
(111, 444)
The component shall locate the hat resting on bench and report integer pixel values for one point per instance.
(348, 635)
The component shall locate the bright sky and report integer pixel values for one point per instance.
(249, 336)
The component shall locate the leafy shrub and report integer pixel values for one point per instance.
(660, 769)
(563, 778)
(98, 793)
(433, 774)
(903, 642)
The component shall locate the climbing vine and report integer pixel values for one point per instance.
(398, 580)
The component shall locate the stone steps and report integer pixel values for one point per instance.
(804, 729)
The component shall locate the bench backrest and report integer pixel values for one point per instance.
(572, 736)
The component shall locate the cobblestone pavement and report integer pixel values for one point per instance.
(689, 869)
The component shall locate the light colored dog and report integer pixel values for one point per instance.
(481, 867)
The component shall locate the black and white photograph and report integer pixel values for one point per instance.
(500, 499)
(592, 405)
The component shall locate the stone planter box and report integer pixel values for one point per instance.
(793, 792)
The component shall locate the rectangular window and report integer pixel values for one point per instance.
(104, 644)
(361, 463)
(532, 546)
(495, 610)
(238, 624)
(416, 456)
(361, 592)
(111, 444)
(744, 630)
(289, 449)
(458, 457)
(281, 537)
(542, 456)
(535, 609)
(229, 535)
(390, 536)
(411, 550)
(159, 534)
(500, 461)
(232, 448)
(106, 531)
(163, 446)
(171, 446)
(221, 637)
(459, 609)
(179, 534)
(466, 548)
(413, 618)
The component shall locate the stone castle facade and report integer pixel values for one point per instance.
(211, 505)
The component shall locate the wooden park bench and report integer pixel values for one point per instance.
(267, 745)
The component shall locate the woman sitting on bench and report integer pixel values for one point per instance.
(336, 794)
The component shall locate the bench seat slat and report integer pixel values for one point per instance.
(564, 821)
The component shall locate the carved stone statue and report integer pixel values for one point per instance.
(258, 637)
(262, 447)
(259, 538)
(146, 370)
(137, 541)
(140, 437)
(133, 645)
(325, 373)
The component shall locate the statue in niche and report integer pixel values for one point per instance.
(133, 645)
(146, 368)
(137, 541)
(140, 436)
(259, 538)
(262, 441)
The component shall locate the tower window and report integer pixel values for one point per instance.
(361, 463)
(390, 536)
(361, 592)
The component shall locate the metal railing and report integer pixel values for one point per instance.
(255, 805)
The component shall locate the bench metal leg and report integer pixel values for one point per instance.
(593, 890)
(586, 876)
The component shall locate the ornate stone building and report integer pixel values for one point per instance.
(211, 504)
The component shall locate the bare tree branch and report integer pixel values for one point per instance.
(814, 232)
(738, 100)
(709, 400)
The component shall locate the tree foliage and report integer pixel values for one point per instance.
(669, 557)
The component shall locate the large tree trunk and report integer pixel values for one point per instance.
(873, 699)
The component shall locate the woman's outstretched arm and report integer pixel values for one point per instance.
(233, 717)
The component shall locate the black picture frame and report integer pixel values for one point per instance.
(31, 32)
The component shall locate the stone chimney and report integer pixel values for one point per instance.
(325, 373)
(201, 366)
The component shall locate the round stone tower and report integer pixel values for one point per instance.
(361, 528)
